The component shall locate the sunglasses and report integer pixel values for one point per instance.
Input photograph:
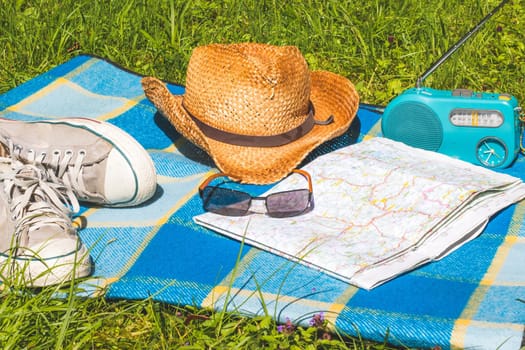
(230, 202)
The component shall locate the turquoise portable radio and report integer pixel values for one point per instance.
(478, 127)
(481, 128)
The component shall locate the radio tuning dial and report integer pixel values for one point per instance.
(491, 152)
(476, 118)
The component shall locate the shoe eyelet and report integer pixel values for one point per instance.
(56, 152)
(82, 152)
(68, 152)
(17, 149)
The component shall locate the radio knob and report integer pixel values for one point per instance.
(462, 92)
(505, 97)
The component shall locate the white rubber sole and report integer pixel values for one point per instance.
(34, 272)
(136, 156)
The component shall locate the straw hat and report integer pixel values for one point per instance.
(256, 109)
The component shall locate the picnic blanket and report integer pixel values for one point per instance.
(474, 297)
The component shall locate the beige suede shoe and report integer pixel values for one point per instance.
(38, 244)
(100, 162)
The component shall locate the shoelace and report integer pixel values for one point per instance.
(58, 168)
(34, 201)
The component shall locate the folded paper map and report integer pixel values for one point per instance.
(381, 208)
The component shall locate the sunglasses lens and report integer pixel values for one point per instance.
(285, 204)
(225, 201)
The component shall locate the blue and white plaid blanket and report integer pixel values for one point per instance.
(473, 298)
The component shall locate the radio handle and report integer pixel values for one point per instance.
(521, 117)
(458, 44)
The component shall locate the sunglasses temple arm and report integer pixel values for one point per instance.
(208, 180)
(307, 176)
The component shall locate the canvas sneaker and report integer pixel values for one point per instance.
(38, 242)
(100, 162)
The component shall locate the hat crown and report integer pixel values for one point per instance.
(248, 89)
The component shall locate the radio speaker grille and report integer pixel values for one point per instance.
(414, 124)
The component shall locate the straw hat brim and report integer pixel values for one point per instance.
(330, 95)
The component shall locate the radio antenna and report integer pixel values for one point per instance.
(458, 44)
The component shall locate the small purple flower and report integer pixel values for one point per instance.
(317, 320)
(499, 29)
(391, 39)
(287, 328)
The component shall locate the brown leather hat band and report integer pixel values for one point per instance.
(256, 141)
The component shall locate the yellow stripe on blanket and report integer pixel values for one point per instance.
(72, 102)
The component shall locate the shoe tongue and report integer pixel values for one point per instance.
(93, 182)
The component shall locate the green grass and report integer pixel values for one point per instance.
(39, 320)
(382, 46)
